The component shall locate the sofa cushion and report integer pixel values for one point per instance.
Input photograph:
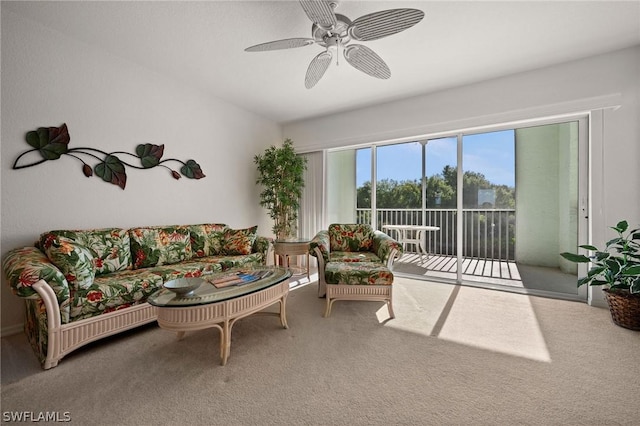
(155, 246)
(207, 239)
(239, 241)
(114, 291)
(111, 246)
(354, 256)
(357, 273)
(190, 268)
(236, 261)
(203, 266)
(74, 260)
(350, 237)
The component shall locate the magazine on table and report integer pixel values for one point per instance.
(238, 278)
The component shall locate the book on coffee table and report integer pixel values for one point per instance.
(238, 278)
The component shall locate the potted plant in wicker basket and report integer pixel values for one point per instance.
(618, 268)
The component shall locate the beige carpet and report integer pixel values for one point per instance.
(453, 355)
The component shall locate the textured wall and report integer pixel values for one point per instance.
(111, 104)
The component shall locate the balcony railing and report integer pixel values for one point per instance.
(486, 233)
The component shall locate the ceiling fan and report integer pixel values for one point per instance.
(334, 31)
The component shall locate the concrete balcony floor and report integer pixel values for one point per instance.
(507, 275)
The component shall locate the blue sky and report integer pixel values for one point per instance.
(492, 154)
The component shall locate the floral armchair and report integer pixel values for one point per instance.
(357, 256)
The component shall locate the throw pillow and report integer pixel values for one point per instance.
(111, 247)
(215, 238)
(239, 241)
(74, 260)
(155, 246)
(207, 239)
(350, 237)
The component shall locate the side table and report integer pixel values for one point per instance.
(293, 247)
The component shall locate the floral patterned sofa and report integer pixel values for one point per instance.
(354, 263)
(83, 285)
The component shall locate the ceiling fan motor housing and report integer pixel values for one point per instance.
(339, 34)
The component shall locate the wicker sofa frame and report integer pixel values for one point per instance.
(65, 338)
(52, 337)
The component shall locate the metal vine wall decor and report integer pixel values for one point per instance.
(53, 142)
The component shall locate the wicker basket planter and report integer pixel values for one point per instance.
(617, 267)
(624, 308)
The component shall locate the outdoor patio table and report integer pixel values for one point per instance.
(412, 234)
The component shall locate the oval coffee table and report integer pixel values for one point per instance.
(209, 306)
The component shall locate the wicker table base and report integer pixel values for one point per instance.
(224, 314)
(287, 248)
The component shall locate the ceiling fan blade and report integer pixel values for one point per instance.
(367, 61)
(288, 43)
(320, 12)
(384, 23)
(317, 68)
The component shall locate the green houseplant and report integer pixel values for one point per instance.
(281, 173)
(617, 267)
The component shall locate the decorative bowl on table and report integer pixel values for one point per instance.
(183, 286)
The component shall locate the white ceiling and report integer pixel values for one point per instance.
(202, 43)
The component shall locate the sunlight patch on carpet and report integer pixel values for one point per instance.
(497, 321)
(418, 305)
(301, 280)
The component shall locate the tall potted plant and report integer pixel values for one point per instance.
(617, 267)
(281, 173)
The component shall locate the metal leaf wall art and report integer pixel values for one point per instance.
(53, 142)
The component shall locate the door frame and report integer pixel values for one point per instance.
(584, 148)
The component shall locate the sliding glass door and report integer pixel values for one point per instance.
(502, 204)
(489, 207)
(551, 179)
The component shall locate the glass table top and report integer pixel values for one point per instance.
(222, 286)
(293, 241)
